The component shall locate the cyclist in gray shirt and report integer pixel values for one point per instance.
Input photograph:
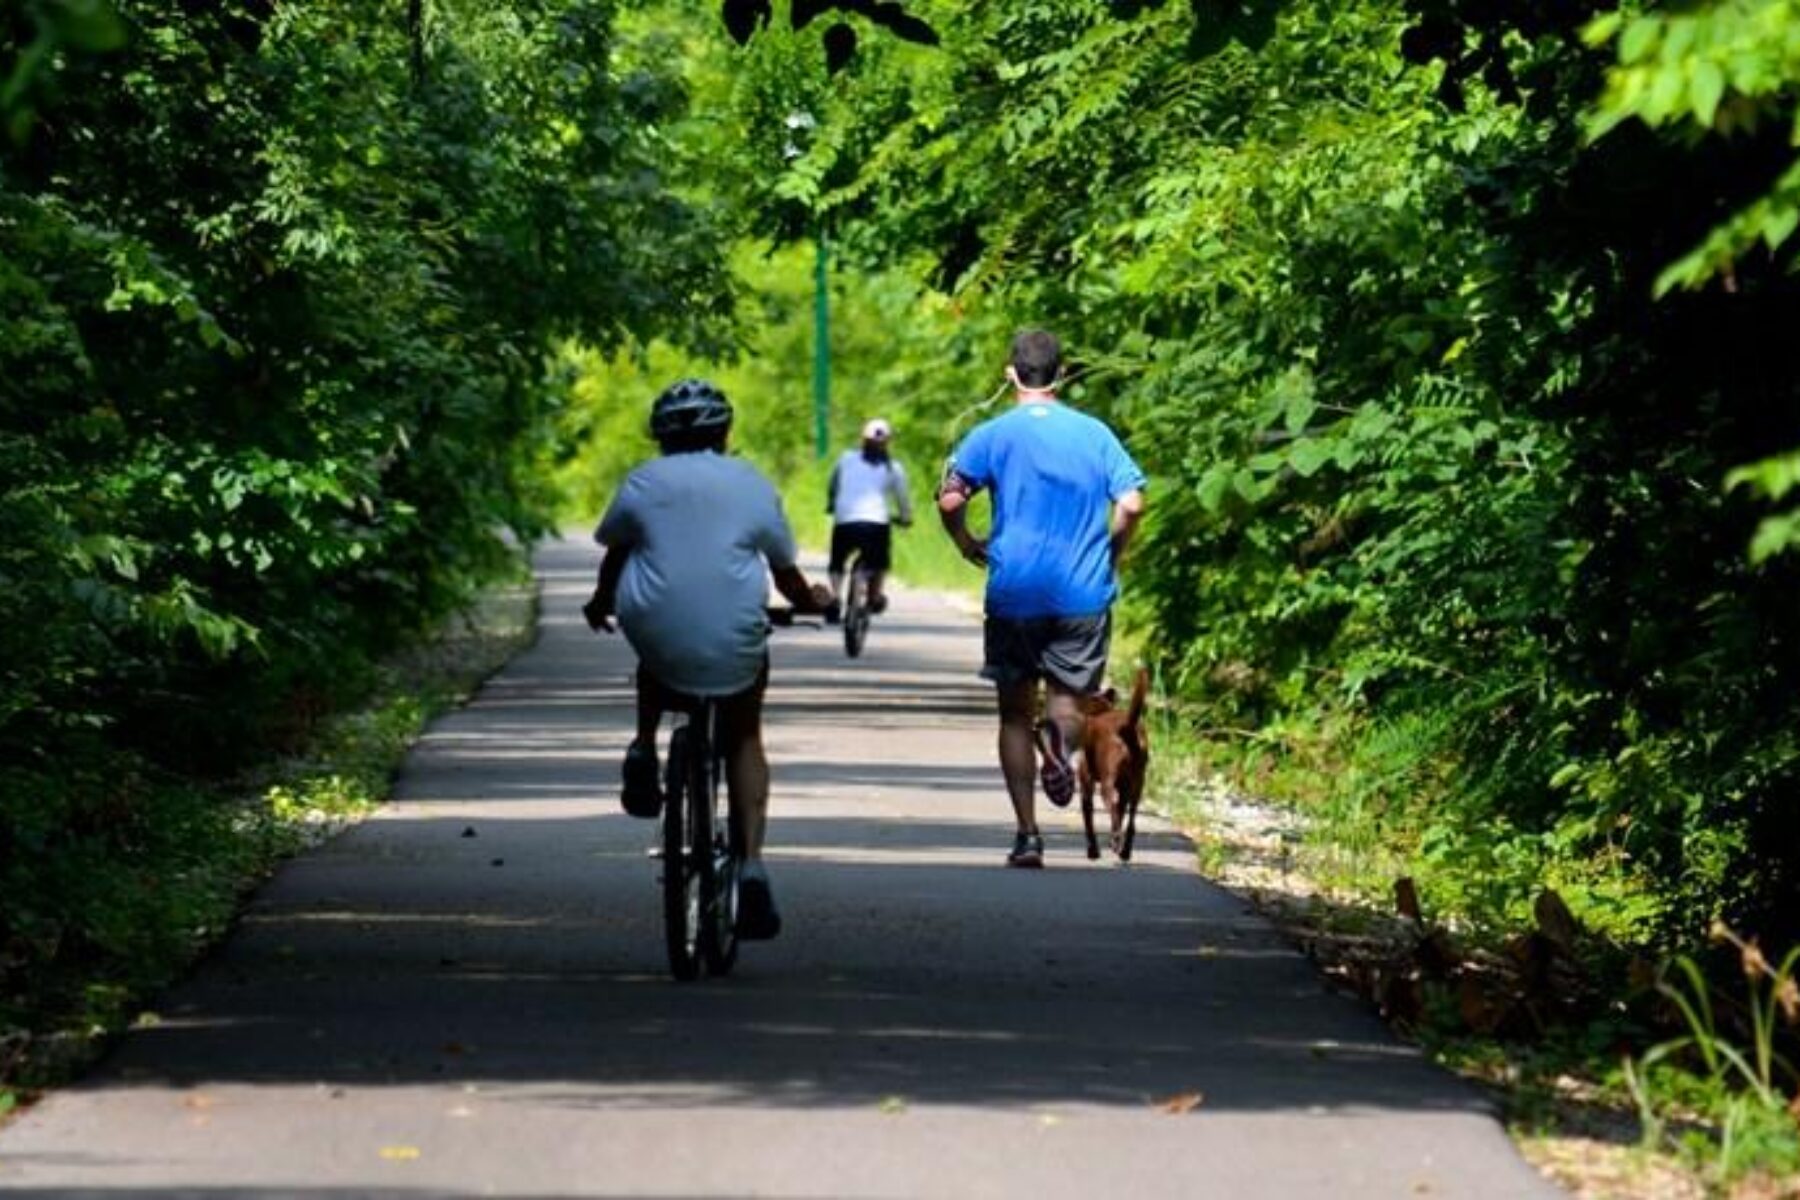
(686, 540)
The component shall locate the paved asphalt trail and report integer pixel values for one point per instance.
(410, 1011)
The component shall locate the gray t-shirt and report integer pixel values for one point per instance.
(691, 599)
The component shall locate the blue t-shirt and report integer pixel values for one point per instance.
(1054, 474)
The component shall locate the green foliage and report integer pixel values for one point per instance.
(1440, 498)
(1726, 70)
(43, 32)
(1726, 66)
(1741, 1087)
(894, 352)
(278, 291)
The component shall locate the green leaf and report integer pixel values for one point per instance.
(1772, 478)
(1779, 224)
(1247, 485)
(1213, 487)
(1776, 535)
(1309, 455)
(1706, 90)
(1602, 29)
(1300, 409)
(1639, 39)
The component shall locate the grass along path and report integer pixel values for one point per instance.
(1567, 1102)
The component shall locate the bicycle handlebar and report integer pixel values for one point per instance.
(787, 617)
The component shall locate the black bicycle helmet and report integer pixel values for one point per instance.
(689, 406)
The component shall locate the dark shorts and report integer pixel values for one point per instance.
(741, 713)
(1070, 652)
(869, 539)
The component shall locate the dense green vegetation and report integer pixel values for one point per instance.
(1455, 336)
(278, 288)
(1442, 332)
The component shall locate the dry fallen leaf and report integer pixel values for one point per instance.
(199, 1100)
(893, 1104)
(1787, 994)
(1184, 1102)
(399, 1153)
(1406, 899)
(1555, 921)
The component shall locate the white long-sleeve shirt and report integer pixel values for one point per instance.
(860, 490)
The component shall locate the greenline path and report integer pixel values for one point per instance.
(466, 995)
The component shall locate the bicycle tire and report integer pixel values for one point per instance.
(856, 612)
(718, 935)
(681, 880)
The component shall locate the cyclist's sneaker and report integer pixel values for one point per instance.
(878, 604)
(641, 797)
(1055, 774)
(1027, 851)
(758, 919)
(834, 613)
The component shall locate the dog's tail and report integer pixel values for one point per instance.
(1140, 692)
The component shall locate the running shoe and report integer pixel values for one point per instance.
(641, 795)
(758, 919)
(1055, 774)
(1027, 851)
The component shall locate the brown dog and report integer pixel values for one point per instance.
(1115, 757)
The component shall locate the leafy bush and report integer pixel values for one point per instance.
(1436, 472)
(277, 290)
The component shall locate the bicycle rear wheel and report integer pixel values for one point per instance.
(719, 887)
(685, 843)
(856, 611)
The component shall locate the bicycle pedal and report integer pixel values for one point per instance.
(655, 852)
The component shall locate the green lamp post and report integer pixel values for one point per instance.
(799, 123)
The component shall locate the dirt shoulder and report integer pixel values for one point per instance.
(1568, 1117)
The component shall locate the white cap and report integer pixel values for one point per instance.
(877, 430)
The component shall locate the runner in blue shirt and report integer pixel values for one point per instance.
(1067, 498)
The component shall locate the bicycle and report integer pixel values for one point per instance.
(701, 846)
(857, 615)
(699, 852)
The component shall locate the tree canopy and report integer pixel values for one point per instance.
(1453, 334)
(279, 287)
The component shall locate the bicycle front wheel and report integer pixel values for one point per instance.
(719, 940)
(856, 612)
(684, 848)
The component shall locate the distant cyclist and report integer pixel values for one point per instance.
(863, 483)
(686, 538)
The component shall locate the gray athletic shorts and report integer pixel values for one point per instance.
(1068, 651)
